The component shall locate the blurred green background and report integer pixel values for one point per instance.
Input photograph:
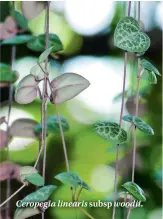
(86, 29)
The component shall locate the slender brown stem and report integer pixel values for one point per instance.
(120, 123)
(128, 213)
(8, 191)
(61, 131)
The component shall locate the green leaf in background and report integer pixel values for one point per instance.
(19, 39)
(72, 179)
(152, 77)
(127, 36)
(6, 74)
(52, 125)
(22, 213)
(35, 179)
(40, 195)
(20, 19)
(38, 43)
(26, 171)
(45, 54)
(148, 66)
(139, 123)
(110, 131)
(38, 73)
(135, 190)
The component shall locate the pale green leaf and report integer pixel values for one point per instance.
(26, 171)
(67, 86)
(139, 123)
(35, 179)
(135, 190)
(127, 36)
(110, 131)
(38, 72)
(45, 54)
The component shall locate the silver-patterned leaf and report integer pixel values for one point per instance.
(127, 36)
(40, 195)
(23, 128)
(67, 86)
(111, 131)
(139, 123)
(72, 179)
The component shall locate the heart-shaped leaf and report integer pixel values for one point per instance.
(6, 74)
(111, 131)
(127, 36)
(45, 54)
(72, 179)
(135, 190)
(23, 128)
(52, 125)
(67, 86)
(32, 9)
(148, 66)
(38, 72)
(20, 39)
(35, 179)
(39, 195)
(26, 90)
(9, 170)
(139, 123)
(20, 19)
(4, 139)
(38, 43)
(22, 213)
(27, 171)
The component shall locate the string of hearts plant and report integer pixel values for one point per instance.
(130, 38)
(62, 88)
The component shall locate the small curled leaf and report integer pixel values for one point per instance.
(9, 170)
(23, 213)
(139, 123)
(38, 72)
(26, 90)
(135, 190)
(67, 86)
(111, 131)
(23, 128)
(149, 67)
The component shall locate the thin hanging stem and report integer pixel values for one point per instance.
(128, 213)
(61, 131)
(8, 199)
(137, 105)
(8, 191)
(120, 123)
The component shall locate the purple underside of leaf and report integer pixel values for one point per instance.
(68, 92)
